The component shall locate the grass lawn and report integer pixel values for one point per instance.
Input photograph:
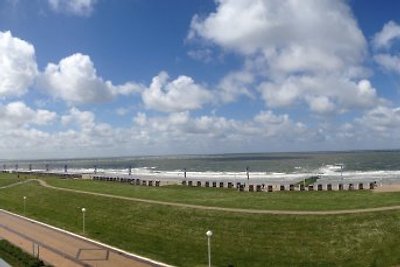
(332, 200)
(177, 235)
(6, 179)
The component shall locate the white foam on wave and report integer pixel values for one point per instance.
(326, 173)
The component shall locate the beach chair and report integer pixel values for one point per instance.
(351, 187)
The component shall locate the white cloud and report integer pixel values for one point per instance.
(75, 80)
(121, 111)
(264, 127)
(125, 89)
(321, 93)
(75, 7)
(178, 95)
(44, 117)
(384, 40)
(175, 132)
(321, 104)
(381, 119)
(235, 84)
(293, 46)
(18, 67)
(83, 119)
(204, 55)
(293, 35)
(388, 62)
(389, 33)
(17, 114)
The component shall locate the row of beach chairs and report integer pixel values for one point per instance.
(131, 181)
(272, 188)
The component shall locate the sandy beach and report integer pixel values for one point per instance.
(387, 188)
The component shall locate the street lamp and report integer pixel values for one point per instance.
(83, 220)
(209, 234)
(24, 204)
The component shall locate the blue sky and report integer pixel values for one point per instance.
(89, 78)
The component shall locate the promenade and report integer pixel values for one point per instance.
(60, 248)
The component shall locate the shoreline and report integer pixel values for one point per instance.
(381, 177)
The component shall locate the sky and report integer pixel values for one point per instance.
(101, 78)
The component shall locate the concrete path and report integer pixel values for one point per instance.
(237, 210)
(61, 248)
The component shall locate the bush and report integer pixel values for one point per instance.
(17, 257)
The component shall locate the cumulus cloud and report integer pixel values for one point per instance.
(83, 119)
(75, 80)
(173, 96)
(75, 7)
(17, 114)
(389, 33)
(234, 85)
(381, 119)
(297, 36)
(18, 67)
(293, 46)
(321, 94)
(385, 39)
(189, 130)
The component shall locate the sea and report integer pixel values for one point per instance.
(378, 165)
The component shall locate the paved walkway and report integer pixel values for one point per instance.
(248, 211)
(60, 248)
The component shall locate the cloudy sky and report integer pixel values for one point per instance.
(101, 78)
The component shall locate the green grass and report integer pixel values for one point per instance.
(327, 200)
(177, 235)
(6, 179)
(308, 181)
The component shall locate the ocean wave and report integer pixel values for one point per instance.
(326, 173)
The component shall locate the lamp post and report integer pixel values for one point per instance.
(83, 220)
(209, 234)
(24, 205)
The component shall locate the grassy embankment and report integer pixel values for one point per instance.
(177, 235)
(6, 179)
(332, 200)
